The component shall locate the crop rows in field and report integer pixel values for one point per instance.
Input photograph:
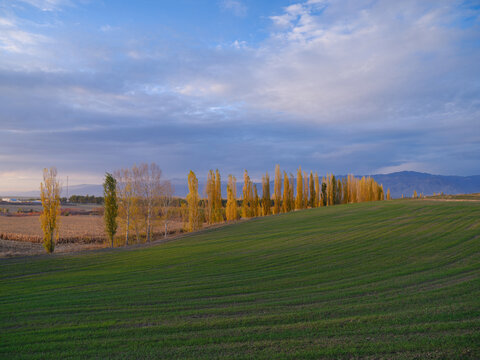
(391, 280)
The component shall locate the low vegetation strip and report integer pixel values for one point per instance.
(394, 280)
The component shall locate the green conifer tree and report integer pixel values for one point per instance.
(110, 206)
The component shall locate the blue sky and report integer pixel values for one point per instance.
(345, 86)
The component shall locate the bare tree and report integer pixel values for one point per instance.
(148, 186)
(166, 200)
(126, 198)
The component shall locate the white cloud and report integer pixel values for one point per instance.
(14, 39)
(357, 61)
(47, 5)
(346, 86)
(237, 7)
(108, 28)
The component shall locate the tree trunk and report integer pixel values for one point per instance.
(165, 229)
(52, 244)
(128, 227)
(149, 215)
(148, 229)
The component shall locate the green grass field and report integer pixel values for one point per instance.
(387, 280)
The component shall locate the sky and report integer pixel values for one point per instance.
(340, 86)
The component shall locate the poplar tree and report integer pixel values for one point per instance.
(333, 193)
(345, 192)
(388, 194)
(210, 189)
(324, 193)
(218, 198)
(110, 206)
(50, 216)
(299, 198)
(352, 188)
(193, 199)
(291, 192)
(266, 195)
(247, 196)
(312, 191)
(338, 199)
(305, 190)
(256, 202)
(286, 193)
(317, 190)
(231, 210)
(277, 190)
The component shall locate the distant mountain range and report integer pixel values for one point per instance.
(406, 182)
(399, 183)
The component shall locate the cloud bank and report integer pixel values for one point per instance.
(339, 86)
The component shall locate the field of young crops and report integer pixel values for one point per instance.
(392, 280)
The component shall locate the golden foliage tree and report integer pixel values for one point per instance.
(345, 191)
(193, 199)
(231, 210)
(388, 194)
(381, 194)
(291, 192)
(305, 190)
(218, 198)
(266, 200)
(299, 198)
(287, 206)
(312, 191)
(338, 197)
(277, 189)
(317, 190)
(210, 201)
(247, 203)
(50, 216)
(256, 202)
(324, 199)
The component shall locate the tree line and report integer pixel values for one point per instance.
(138, 198)
(289, 194)
(83, 199)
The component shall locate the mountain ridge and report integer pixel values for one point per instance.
(400, 183)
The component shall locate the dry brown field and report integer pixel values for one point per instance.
(22, 235)
(83, 228)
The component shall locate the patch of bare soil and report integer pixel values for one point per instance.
(12, 248)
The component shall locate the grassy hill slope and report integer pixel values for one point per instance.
(395, 280)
